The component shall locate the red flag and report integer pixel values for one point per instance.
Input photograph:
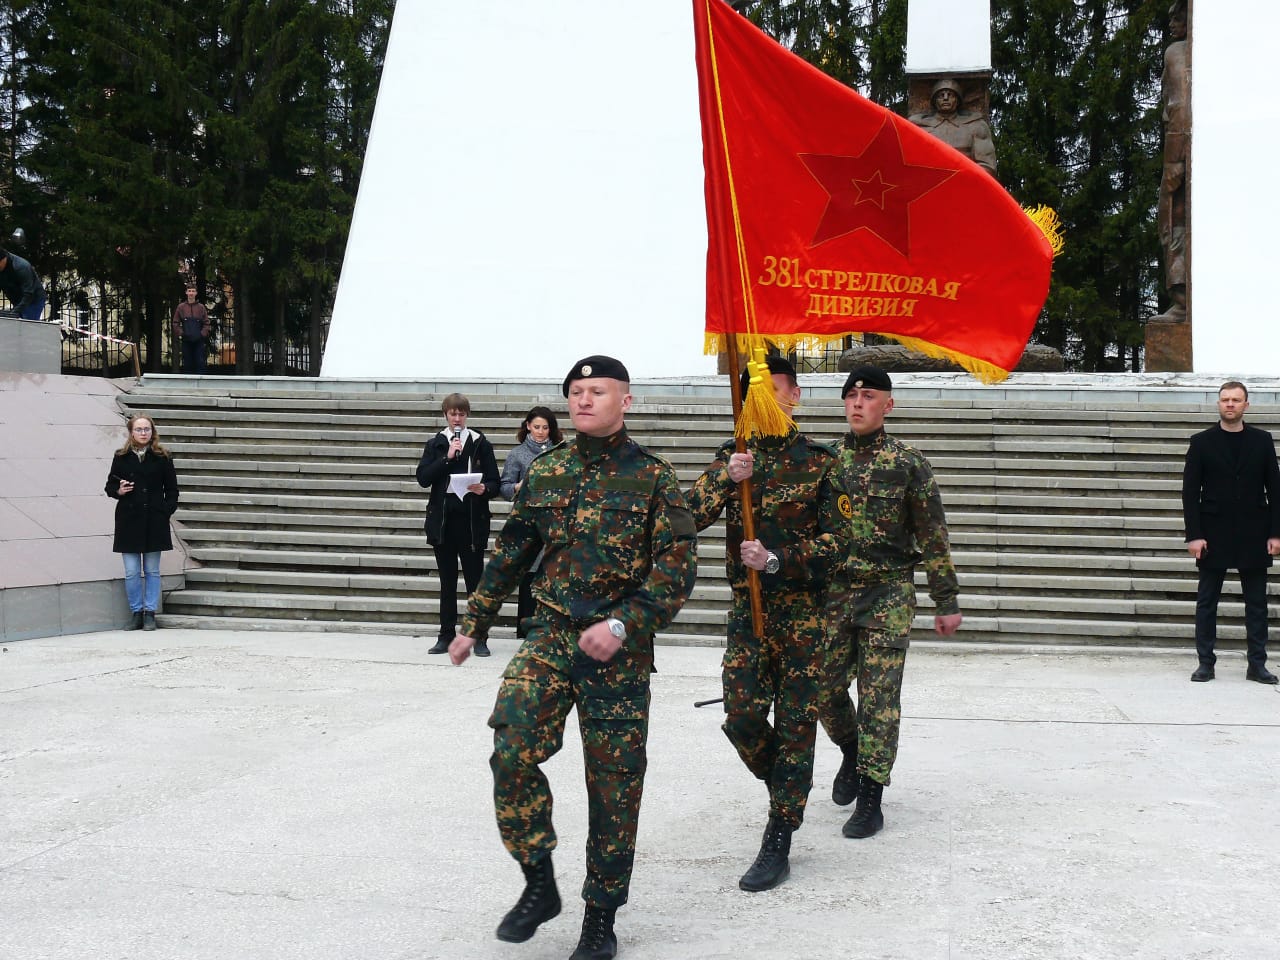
(828, 214)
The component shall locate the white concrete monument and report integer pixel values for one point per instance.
(948, 36)
(532, 193)
(1235, 141)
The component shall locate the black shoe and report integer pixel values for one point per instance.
(772, 866)
(136, 622)
(1260, 675)
(845, 787)
(867, 820)
(442, 646)
(1203, 674)
(597, 941)
(148, 619)
(481, 648)
(539, 902)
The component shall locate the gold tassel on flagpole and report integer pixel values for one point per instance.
(761, 414)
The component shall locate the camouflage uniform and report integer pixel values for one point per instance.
(783, 670)
(619, 542)
(884, 505)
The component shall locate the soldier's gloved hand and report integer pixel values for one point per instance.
(460, 649)
(740, 466)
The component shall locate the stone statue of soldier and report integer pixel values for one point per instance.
(967, 132)
(1171, 210)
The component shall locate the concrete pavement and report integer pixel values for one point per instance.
(183, 795)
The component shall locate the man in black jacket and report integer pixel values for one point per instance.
(18, 282)
(457, 524)
(1231, 509)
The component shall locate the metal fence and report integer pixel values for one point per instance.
(96, 342)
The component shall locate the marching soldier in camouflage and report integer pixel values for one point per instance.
(782, 670)
(619, 563)
(883, 505)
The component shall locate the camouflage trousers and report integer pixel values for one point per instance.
(781, 673)
(547, 677)
(867, 647)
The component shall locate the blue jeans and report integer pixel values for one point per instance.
(33, 310)
(142, 580)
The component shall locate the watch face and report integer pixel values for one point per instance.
(617, 628)
(771, 565)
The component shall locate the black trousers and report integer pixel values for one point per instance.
(1254, 585)
(448, 558)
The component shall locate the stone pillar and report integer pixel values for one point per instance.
(1168, 335)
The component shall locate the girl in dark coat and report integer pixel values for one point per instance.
(144, 485)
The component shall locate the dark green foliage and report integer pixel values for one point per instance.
(223, 134)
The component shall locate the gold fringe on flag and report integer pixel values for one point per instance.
(715, 343)
(1046, 218)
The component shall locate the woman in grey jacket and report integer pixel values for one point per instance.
(539, 432)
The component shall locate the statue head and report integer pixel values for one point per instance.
(1178, 19)
(945, 105)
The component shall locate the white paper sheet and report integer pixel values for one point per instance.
(459, 482)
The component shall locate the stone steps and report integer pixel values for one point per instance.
(300, 505)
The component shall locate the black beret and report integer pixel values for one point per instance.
(776, 365)
(866, 375)
(596, 366)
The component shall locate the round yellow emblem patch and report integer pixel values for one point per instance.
(845, 507)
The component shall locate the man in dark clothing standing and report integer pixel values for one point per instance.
(1231, 509)
(19, 283)
(191, 326)
(457, 524)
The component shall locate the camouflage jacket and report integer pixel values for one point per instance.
(618, 536)
(884, 504)
(785, 484)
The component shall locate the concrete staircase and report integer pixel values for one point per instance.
(300, 505)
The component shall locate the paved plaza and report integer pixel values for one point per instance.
(214, 795)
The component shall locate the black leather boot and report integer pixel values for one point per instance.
(539, 902)
(772, 866)
(845, 787)
(148, 619)
(597, 941)
(136, 622)
(867, 818)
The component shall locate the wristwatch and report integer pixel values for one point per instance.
(772, 564)
(617, 627)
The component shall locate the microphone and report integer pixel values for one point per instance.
(457, 432)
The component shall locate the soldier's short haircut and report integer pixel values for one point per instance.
(455, 401)
(1234, 385)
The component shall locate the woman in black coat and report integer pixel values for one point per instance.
(144, 485)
